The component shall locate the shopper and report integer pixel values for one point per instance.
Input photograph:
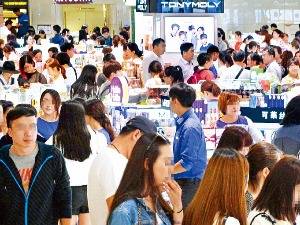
(101, 79)
(278, 199)
(237, 70)
(159, 48)
(64, 60)
(78, 153)
(53, 51)
(286, 138)
(57, 75)
(5, 30)
(203, 71)
(106, 35)
(83, 33)
(110, 70)
(133, 52)
(210, 91)
(214, 52)
(23, 22)
(95, 114)
(256, 63)
(155, 70)
(225, 61)
(104, 177)
(5, 106)
(236, 138)
(238, 41)
(138, 199)
(262, 157)
(272, 66)
(69, 49)
(50, 104)
(39, 189)
(293, 68)
(285, 58)
(220, 198)
(9, 54)
(189, 146)
(229, 107)
(173, 75)
(28, 73)
(57, 39)
(186, 60)
(7, 76)
(85, 86)
(1, 49)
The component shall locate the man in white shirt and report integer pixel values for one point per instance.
(108, 167)
(185, 62)
(159, 48)
(236, 71)
(269, 60)
(5, 30)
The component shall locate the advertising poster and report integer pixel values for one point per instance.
(144, 31)
(198, 30)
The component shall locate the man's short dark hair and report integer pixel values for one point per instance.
(203, 58)
(53, 49)
(36, 51)
(184, 47)
(16, 10)
(105, 30)
(184, 93)
(63, 58)
(57, 28)
(239, 56)
(65, 31)
(270, 50)
(108, 57)
(66, 46)
(203, 36)
(157, 41)
(125, 35)
(19, 112)
(238, 33)
(213, 49)
(8, 22)
(274, 25)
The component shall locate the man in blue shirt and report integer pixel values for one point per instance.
(58, 38)
(214, 52)
(190, 155)
(23, 22)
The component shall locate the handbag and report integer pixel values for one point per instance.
(264, 215)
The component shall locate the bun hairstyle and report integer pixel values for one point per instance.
(174, 72)
(53, 63)
(211, 87)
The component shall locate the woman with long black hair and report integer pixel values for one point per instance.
(98, 120)
(85, 86)
(138, 199)
(74, 140)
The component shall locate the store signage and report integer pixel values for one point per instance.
(73, 1)
(264, 115)
(197, 5)
(186, 6)
(142, 6)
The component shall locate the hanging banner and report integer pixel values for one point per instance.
(73, 1)
(183, 6)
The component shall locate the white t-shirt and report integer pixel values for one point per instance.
(146, 62)
(231, 72)
(230, 221)
(152, 82)
(275, 69)
(78, 171)
(4, 32)
(262, 220)
(71, 76)
(104, 178)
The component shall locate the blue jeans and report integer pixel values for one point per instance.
(189, 188)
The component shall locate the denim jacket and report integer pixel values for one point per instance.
(135, 212)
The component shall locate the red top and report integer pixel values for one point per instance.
(203, 74)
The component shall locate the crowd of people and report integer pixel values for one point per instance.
(68, 165)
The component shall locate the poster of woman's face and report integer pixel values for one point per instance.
(188, 29)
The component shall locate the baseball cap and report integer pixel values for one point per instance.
(9, 66)
(142, 123)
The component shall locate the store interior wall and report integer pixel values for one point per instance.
(248, 16)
